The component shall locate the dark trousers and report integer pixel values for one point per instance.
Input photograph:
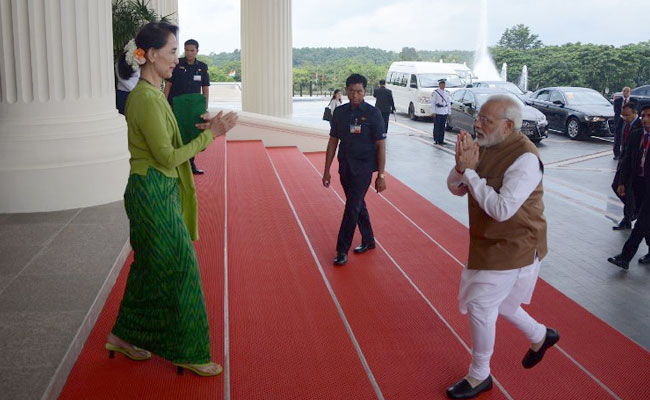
(386, 116)
(641, 228)
(439, 128)
(356, 213)
(192, 164)
(618, 137)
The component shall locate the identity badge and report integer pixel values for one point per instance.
(197, 78)
(355, 129)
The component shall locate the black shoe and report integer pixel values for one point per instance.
(197, 171)
(615, 158)
(463, 390)
(624, 224)
(619, 262)
(362, 248)
(645, 259)
(532, 358)
(340, 259)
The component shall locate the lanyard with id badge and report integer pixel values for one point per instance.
(355, 128)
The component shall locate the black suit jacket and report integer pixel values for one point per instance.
(631, 160)
(384, 101)
(618, 107)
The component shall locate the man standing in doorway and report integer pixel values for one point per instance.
(384, 102)
(618, 121)
(441, 106)
(360, 129)
(502, 175)
(189, 76)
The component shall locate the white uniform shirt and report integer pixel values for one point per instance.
(127, 85)
(440, 97)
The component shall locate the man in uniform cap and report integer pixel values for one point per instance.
(441, 107)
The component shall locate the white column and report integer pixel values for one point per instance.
(266, 57)
(62, 143)
(165, 8)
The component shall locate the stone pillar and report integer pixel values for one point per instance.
(62, 142)
(166, 8)
(266, 57)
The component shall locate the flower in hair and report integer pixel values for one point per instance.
(134, 56)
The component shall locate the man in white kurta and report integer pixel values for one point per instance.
(502, 174)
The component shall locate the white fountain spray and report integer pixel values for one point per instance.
(484, 66)
(523, 79)
(504, 72)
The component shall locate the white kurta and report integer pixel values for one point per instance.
(519, 181)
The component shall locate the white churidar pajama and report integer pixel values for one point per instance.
(486, 294)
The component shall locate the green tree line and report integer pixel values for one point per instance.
(600, 67)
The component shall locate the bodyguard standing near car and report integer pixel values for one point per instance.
(360, 129)
(189, 76)
(441, 105)
(384, 102)
(618, 122)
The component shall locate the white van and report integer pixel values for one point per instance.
(465, 74)
(413, 82)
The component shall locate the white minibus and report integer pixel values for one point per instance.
(412, 83)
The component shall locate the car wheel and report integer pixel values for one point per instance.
(412, 112)
(573, 128)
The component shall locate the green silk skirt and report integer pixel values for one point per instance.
(163, 309)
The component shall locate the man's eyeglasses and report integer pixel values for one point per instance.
(486, 120)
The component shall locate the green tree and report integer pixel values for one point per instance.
(128, 17)
(519, 37)
(409, 54)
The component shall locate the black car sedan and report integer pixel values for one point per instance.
(467, 102)
(579, 112)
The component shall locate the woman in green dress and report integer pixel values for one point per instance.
(163, 309)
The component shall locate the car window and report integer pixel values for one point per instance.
(430, 80)
(458, 96)
(543, 95)
(414, 81)
(556, 96)
(469, 97)
(405, 78)
(585, 96)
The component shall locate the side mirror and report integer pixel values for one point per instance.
(470, 105)
(559, 103)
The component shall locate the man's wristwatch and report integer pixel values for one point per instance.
(382, 176)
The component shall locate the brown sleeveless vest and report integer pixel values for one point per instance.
(513, 243)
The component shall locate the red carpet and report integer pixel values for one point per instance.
(398, 333)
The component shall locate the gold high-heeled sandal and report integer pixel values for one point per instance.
(129, 352)
(193, 368)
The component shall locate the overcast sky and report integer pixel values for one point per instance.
(424, 24)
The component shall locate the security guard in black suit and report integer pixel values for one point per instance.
(189, 76)
(385, 102)
(360, 128)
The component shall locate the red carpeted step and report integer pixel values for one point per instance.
(410, 351)
(608, 356)
(95, 376)
(287, 340)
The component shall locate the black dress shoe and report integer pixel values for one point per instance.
(645, 259)
(463, 390)
(340, 259)
(624, 224)
(619, 262)
(616, 157)
(362, 248)
(532, 358)
(197, 171)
